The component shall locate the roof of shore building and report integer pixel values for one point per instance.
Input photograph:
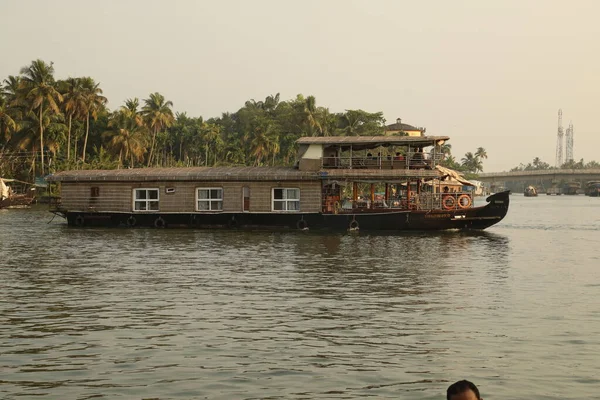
(399, 126)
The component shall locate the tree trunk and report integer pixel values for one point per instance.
(206, 157)
(87, 131)
(41, 141)
(69, 139)
(152, 147)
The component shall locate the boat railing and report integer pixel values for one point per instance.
(418, 201)
(376, 162)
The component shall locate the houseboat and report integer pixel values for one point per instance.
(571, 188)
(530, 191)
(381, 183)
(592, 188)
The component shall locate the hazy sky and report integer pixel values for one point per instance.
(486, 73)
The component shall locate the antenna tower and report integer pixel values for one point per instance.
(569, 143)
(559, 141)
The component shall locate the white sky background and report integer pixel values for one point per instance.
(486, 73)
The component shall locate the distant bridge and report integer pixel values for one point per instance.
(516, 180)
(546, 174)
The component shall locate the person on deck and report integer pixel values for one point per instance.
(463, 390)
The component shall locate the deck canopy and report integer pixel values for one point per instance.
(370, 142)
(186, 174)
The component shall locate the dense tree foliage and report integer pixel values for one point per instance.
(49, 125)
(538, 164)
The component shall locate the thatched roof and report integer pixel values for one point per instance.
(453, 175)
(186, 174)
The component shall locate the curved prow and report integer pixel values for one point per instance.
(499, 201)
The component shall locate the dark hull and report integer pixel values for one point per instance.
(470, 218)
(16, 201)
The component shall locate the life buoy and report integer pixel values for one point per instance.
(79, 220)
(159, 222)
(448, 202)
(464, 201)
(353, 225)
(131, 221)
(232, 223)
(302, 224)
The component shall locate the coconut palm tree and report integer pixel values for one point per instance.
(158, 115)
(39, 89)
(74, 104)
(481, 153)
(311, 118)
(94, 102)
(7, 119)
(26, 137)
(127, 135)
(471, 163)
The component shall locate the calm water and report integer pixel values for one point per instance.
(181, 314)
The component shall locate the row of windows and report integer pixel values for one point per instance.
(211, 199)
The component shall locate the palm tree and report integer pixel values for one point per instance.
(127, 135)
(7, 119)
(26, 137)
(481, 153)
(471, 162)
(158, 115)
(74, 105)
(311, 118)
(39, 89)
(94, 102)
(212, 138)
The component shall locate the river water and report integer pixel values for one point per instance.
(191, 314)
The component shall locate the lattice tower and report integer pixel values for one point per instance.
(569, 143)
(559, 141)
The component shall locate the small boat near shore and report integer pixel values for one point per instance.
(336, 184)
(592, 189)
(9, 198)
(530, 191)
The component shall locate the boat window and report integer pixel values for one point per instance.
(286, 199)
(145, 199)
(95, 191)
(209, 199)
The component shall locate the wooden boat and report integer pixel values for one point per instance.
(592, 189)
(332, 186)
(9, 198)
(571, 188)
(530, 191)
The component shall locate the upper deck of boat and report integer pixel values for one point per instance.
(371, 142)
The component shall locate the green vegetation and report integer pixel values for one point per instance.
(470, 164)
(538, 164)
(50, 125)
